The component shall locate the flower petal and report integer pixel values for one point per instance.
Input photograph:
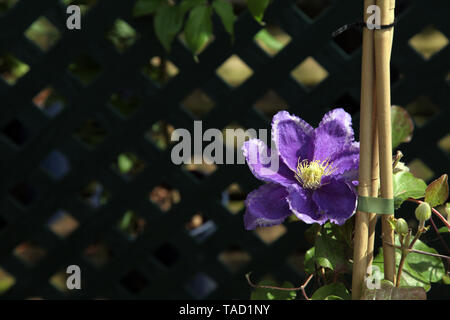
(346, 162)
(303, 206)
(266, 206)
(263, 167)
(333, 134)
(337, 199)
(293, 138)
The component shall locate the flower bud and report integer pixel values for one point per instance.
(401, 226)
(423, 212)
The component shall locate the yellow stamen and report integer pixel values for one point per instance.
(310, 174)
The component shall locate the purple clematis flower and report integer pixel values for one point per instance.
(316, 174)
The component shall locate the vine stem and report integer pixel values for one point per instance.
(440, 216)
(301, 288)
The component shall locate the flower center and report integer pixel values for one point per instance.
(310, 174)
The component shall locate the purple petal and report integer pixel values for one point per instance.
(266, 206)
(258, 159)
(293, 138)
(303, 206)
(333, 134)
(337, 199)
(346, 162)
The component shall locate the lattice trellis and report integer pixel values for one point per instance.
(166, 260)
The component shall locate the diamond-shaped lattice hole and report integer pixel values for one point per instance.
(200, 285)
(6, 281)
(309, 73)
(43, 33)
(296, 260)
(313, 8)
(164, 196)
(23, 193)
(56, 164)
(270, 103)
(29, 252)
(160, 70)
(62, 223)
(271, 234)
(420, 170)
(167, 254)
(50, 101)
(12, 69)
(422, 110)
(122, 35)
(95, 194)
(444, 143)
(429, 42)
(200, 171)
(234, 136)
(200, 227)
(234, 258)
(125, 102)
(134, 281)
(59, 281)
(91, 133)
(128, 164)
(233, 198)
(7, 5)
(131, 225)
(272, 39)
(16, 132)
(199, 103)
(348, 103)
(160, 134)
(349, 40)
(98, 254)
(85, 68)
(234, 71)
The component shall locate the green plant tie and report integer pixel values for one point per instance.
(375, 205)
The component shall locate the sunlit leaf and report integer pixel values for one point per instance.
(437, 191)
(257, 8)
(224, 10)
(334, 291)
(198, 29)
(167, 23)
(407, 186)
(402, 126)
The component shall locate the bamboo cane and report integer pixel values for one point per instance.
(375, 183)
(383, 46)
(365, 154)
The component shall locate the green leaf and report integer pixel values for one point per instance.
(309, 260)
(187, 5)
(224, 10)
(334, 291)
(167, 23)
(446, 279)
(330, 252)
(444, 229)
(198, 29)
(437, 191)
(402, 126)
(419, 270)
(257, 8)
(407, 186)
(270, 41)
(145, 7)
(273, 294)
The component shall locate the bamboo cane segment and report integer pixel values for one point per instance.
(365, 156)
(383, 46)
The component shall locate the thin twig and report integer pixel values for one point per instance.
(420, 251)
(301, 288)
(439, 235)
